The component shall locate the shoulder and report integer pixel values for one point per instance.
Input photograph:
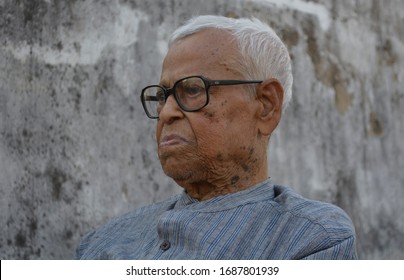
(148, 210)
(330, 218)
(313, 229)
(139, 213)
(122, 228)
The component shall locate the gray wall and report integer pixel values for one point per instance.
(76, 148)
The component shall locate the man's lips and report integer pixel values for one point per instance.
(171, 140)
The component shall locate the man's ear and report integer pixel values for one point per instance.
(270, 96)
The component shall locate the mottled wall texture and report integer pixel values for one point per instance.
(76, 148)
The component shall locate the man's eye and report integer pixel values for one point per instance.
(194, 90)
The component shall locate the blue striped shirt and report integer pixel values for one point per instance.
(266, 221)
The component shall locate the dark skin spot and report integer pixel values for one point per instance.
(234, 180)
(245, 167)
(208, 114)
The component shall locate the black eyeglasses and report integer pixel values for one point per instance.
(191, 94)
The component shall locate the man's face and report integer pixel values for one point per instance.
(218, 144)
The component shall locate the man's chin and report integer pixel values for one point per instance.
(177, 175)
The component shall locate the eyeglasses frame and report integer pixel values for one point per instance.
(208, 83)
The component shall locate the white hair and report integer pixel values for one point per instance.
(263, 54)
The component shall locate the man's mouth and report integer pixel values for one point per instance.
(172, 140)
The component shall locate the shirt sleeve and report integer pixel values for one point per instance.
(345, 250)
(84, 242)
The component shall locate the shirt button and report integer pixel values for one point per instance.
(165, 245)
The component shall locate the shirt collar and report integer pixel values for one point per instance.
(261, 191)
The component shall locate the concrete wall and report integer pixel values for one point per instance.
(76, 148)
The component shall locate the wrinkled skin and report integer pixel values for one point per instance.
(223, 147)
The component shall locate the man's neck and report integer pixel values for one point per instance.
(207, 189)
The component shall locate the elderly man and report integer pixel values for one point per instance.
(223, 87)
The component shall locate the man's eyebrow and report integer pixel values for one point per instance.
(163, 83)
(166, 84)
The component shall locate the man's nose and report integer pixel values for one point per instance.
(170, 111)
